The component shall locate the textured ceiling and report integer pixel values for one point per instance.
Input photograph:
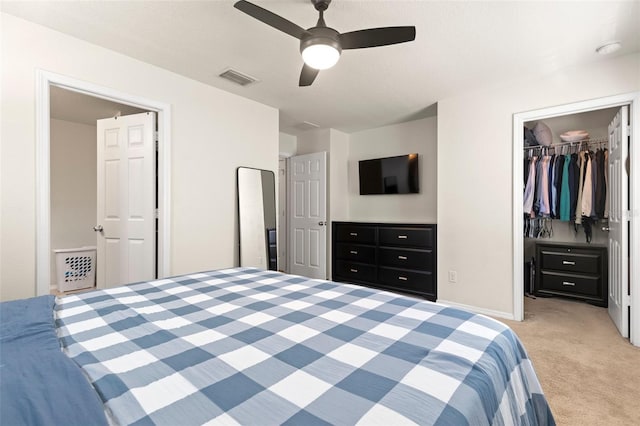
(459, 46)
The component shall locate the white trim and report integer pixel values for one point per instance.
(45, 79)
(477, 310)
(519, 119)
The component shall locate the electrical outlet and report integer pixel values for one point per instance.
(453, 276)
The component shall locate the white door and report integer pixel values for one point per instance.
(126, 223)
(618, 183)
(282, 215)
(308, 215)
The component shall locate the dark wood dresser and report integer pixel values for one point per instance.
(578, 271)
(393, 256)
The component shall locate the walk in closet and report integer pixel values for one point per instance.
(566, 204)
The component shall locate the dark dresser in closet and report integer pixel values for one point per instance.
(573, 270)
(393, 256)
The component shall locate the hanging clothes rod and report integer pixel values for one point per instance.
(577, 143)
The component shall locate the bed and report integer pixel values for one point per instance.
(248, 346)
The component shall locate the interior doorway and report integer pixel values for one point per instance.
(46, 83)
(630, 215)
(74, 160)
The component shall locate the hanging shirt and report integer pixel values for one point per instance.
(601, 186)
(582, 161)
(594, 180)
(574, 176)
(555, 188)
(529, 189)
(587, 188)
(544, 188)
(565, 194)
(536, 193)
(606, 184)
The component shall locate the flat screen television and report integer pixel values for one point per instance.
(390, 175)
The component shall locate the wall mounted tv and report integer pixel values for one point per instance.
(390, 175)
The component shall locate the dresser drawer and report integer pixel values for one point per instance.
(571, 260)
(406, 237)
(406, 258)
(356, 234)
(587, 285)
(355, 271)
(408, 280)
(356, 253)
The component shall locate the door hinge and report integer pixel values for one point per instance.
(156, 213)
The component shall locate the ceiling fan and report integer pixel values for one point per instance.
(321, 45)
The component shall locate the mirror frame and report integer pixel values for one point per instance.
(257, 242)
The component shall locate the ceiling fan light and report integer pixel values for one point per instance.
(320, 56)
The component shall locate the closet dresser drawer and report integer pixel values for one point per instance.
(400, 257)
(572, 284)
(571, 260)
(577, 271)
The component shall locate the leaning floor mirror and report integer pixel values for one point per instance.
(257, 218)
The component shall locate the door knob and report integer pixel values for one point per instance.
(322, 223)
(97, 228)
(605, 228)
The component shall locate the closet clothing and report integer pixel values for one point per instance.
(587, 188)
(565, 196)
(569, 187)
(574, 175)
(600, 185)
(530, 186)
(606, 183)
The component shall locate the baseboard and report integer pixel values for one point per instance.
(477, 310)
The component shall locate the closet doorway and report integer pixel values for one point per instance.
(541, 238)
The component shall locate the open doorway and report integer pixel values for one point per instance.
(45, 83)
(74, 159)
(612, 264)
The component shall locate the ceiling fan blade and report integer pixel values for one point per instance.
(270, 18)
(307, 75)
(377, 37)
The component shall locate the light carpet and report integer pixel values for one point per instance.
(589, 373)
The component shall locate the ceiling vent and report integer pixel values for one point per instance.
(306, 125)
(238, 77)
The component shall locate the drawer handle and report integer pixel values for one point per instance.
(402, 237)
(402, 257)
(401, 278)
(353, 270)
(566, 262)
(568, 283)
(353, 252)
(353, 234)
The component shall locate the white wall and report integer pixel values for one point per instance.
(210, 139)
(475, 146)
(418, 136)
(287, 145)
(73, 186)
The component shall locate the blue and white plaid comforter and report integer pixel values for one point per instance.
(251, 347)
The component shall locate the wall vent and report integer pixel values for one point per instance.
(237, 77)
